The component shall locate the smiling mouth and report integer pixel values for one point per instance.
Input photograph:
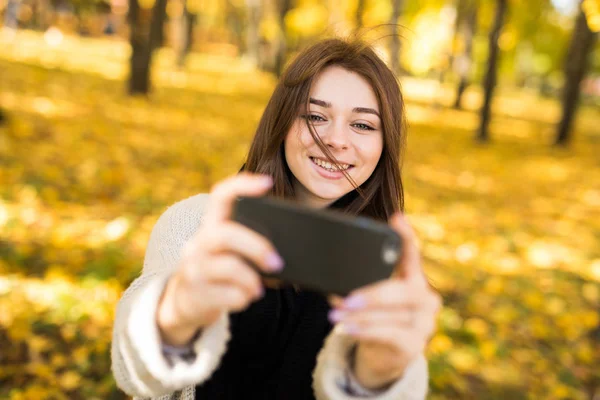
(326, 165)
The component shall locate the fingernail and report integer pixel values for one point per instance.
(336, 316)
(354, 302)
(348, 328)
(274, 262)
(267, 181)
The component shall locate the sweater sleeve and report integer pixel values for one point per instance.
(332, 365)
(138, 365)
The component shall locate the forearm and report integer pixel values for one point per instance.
(333, 363)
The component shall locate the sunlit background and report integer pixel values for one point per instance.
(507, 208)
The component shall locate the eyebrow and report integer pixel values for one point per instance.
(326, 104)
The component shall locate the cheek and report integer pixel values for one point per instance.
(305, 139)
(298, 139)
(371, 151)
(378, 152)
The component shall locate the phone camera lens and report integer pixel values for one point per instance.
(389, 253)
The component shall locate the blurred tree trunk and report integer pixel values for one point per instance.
(253, 8)
(459, 11)
(159, 14)
(592, 383)
(491, 73)
(42, 15)
(11, 14)
(139, 61)
(284, 7)
(360, 10)
(36, 20)
(395, 39)
(157, 31)
(187, 21)
(545, 88)
(235, 21)
(464, 61)
(144, 40)
(576, 64)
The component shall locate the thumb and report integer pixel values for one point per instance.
(409, 266)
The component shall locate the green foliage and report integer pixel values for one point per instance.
(509, 233)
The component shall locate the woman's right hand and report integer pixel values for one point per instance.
(213, 275)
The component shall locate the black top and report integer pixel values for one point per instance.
(273, 348)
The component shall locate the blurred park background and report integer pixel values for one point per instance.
(111, 111)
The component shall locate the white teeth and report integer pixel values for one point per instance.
(328, 166)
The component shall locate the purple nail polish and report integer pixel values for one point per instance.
(274, 262)
(355, 302)
(267, 181)
(335, 316)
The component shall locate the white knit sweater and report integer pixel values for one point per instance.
(138, 365)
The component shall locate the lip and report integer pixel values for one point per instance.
(327, 174)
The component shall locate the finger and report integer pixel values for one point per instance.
(224, 193)
(230, 269)
(248, 244)
(409, 265)
(389, 293)
(435, 302)
(335, 301)
(425, 323)
(406, 340)
(362, 319)
(421, 321)
(226, 297)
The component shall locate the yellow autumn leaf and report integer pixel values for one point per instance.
(488, 349)
(591, 292)
(69, 380)
(595, 270)
(477, 326)
(463, 360)
(591, 319)
(440, 344)
(39, 344)
(555, 306)
(58, 360)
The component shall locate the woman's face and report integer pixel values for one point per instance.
(345, 114)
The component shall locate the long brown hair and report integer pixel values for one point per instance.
(382, 194)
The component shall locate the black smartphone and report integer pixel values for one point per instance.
(323, 250)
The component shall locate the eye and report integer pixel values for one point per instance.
(313, 118)
(364, 127)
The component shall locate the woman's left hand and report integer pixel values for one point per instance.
(393, 320)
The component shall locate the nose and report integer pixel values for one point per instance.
(336, 136)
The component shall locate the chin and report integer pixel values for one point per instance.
(328, 193)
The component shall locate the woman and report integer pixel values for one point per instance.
(199, 323)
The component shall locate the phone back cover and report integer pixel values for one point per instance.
(322, 249)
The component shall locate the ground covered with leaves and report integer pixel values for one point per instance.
(510, 232)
